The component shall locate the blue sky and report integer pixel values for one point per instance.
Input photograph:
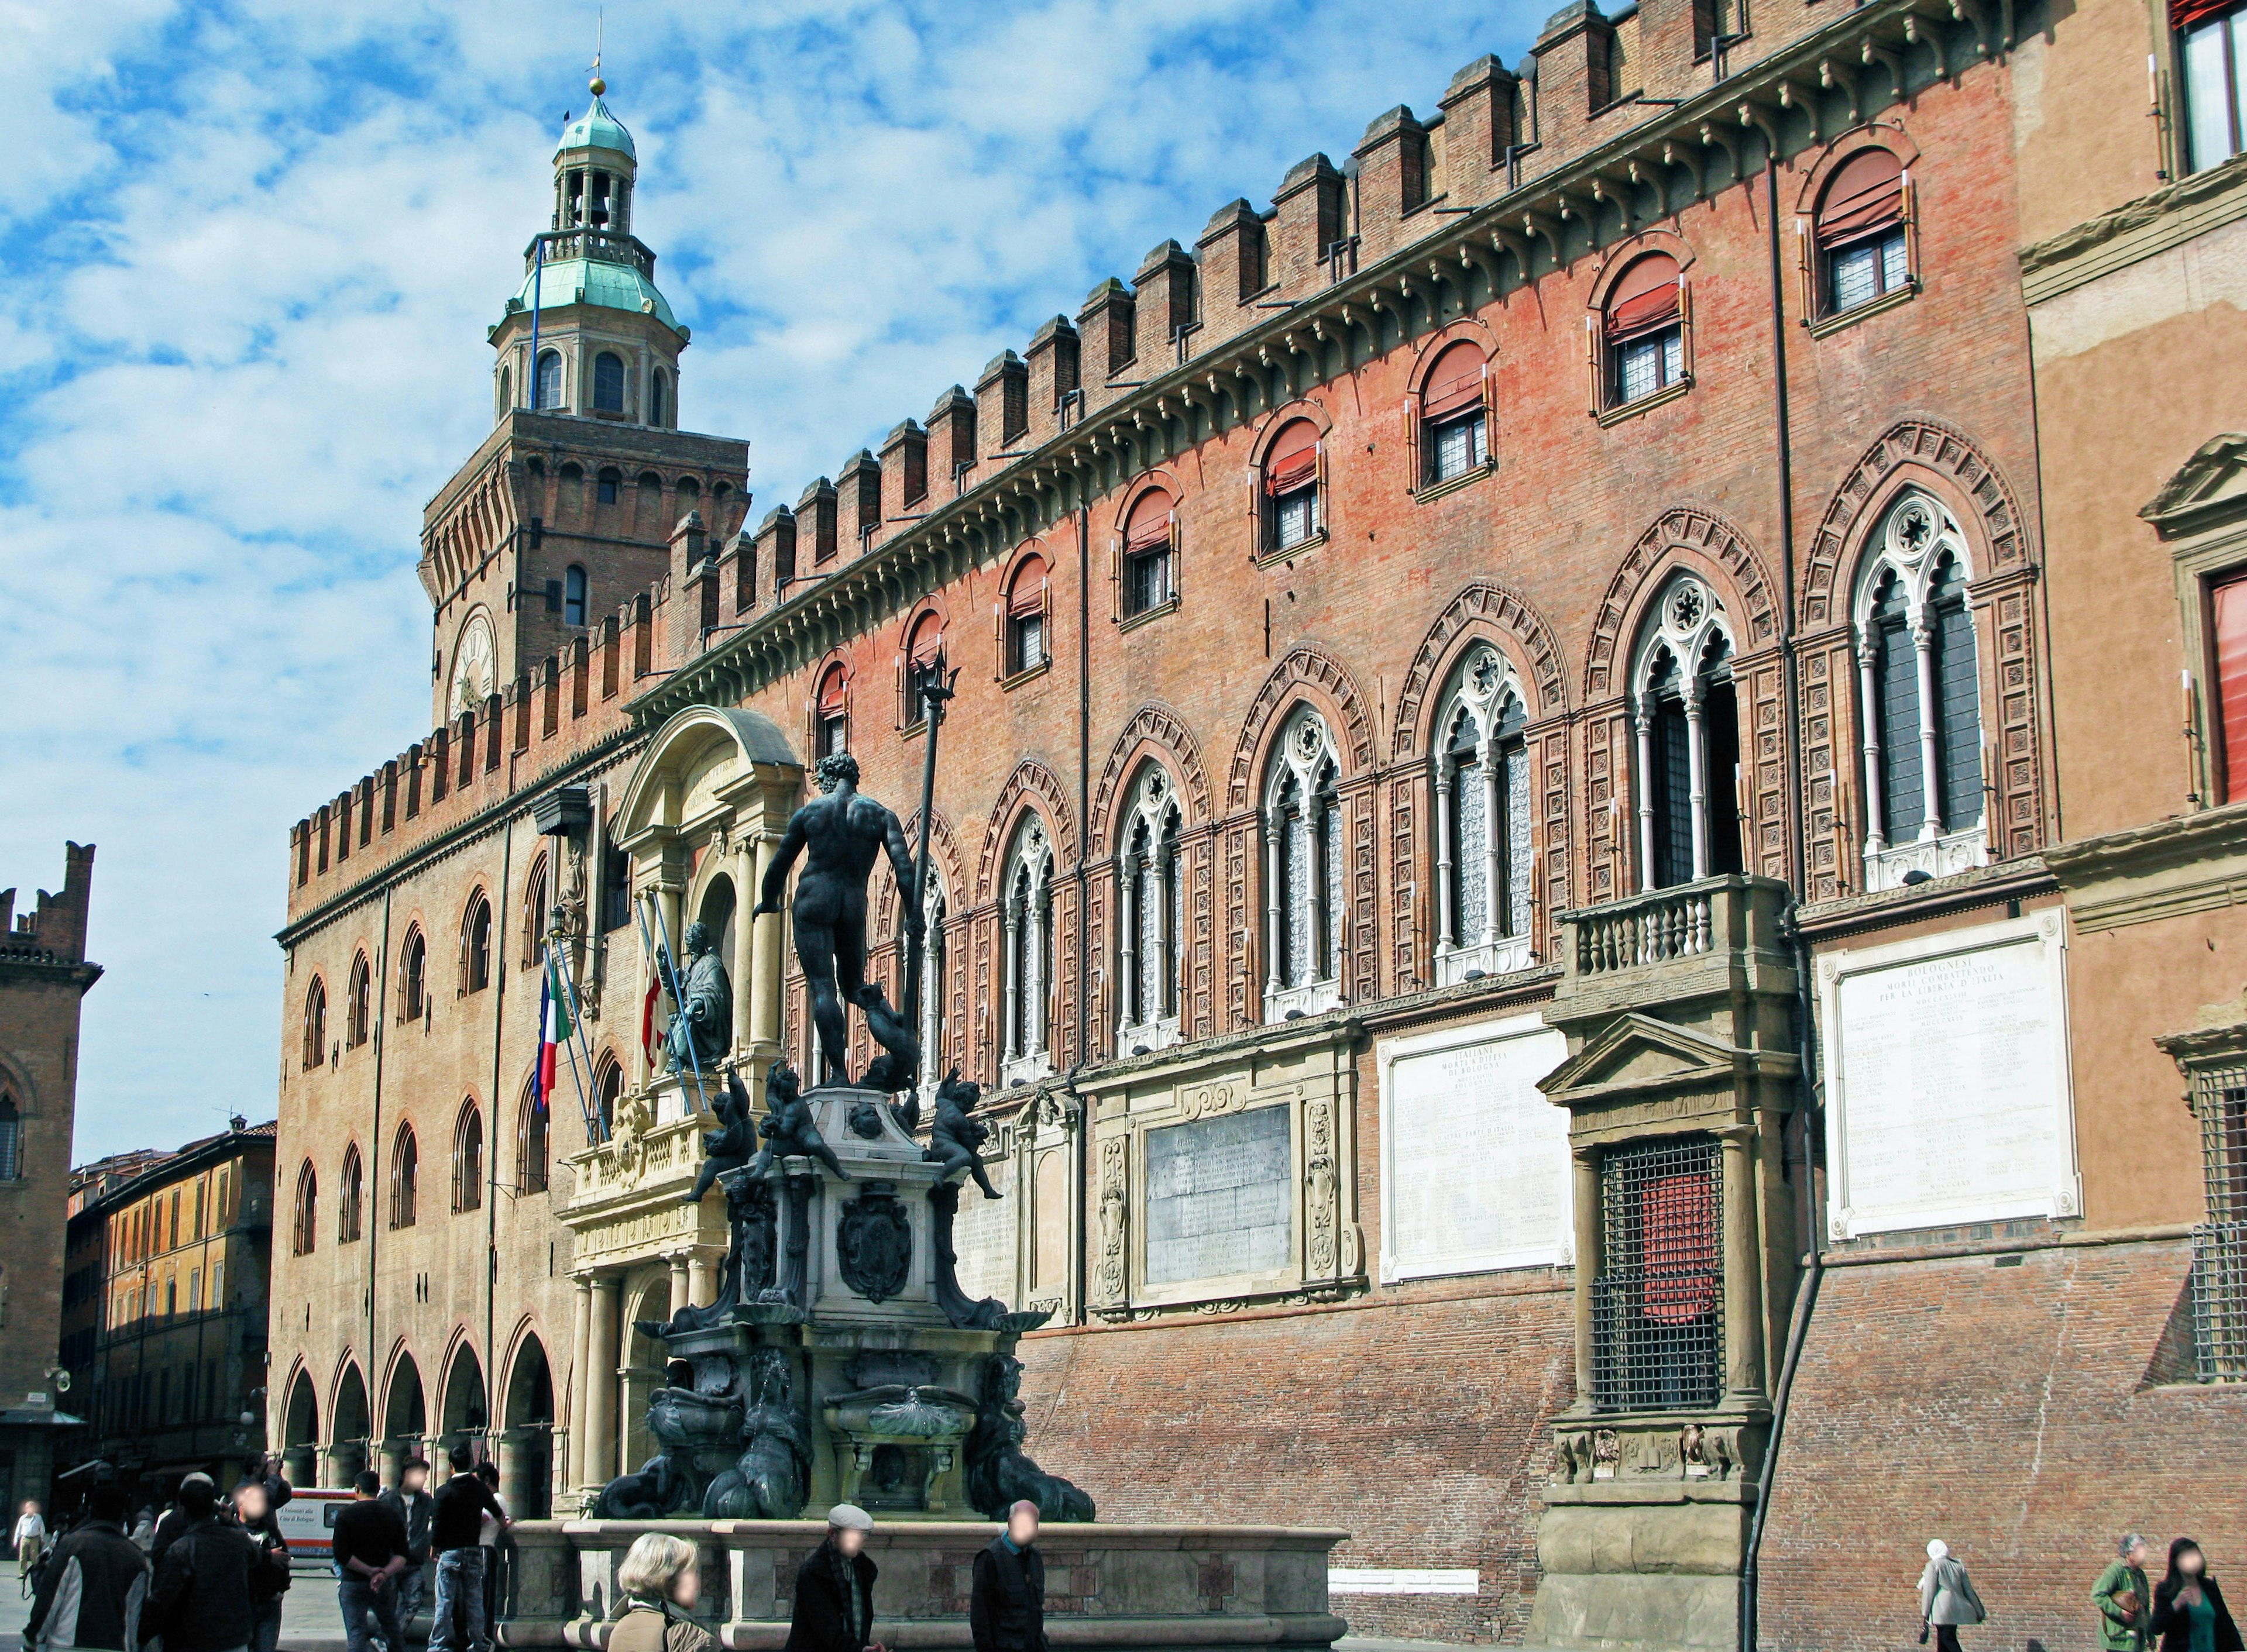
(253, 249)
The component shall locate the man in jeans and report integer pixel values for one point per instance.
(456, 1623)
(369, 1546)
(410, 1500)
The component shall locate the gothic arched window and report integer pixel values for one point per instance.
(573, 596)
(351, 1195)
(1687, 722)
(1454, 415)
(1644, 329)
(12, 1141)
(469, 1158)
(1154, 912)
(304, 1229)
(1026, 616)
(315, 1023)
(1149, 554)
(506, 396)
(531, 1131)
(550, 378)
(658, 398)
(834, 712)
(1302, 872)
(476, 944)
(608, 382)
(1484, 854)
(1292, 513)
(1864, 250)
(1919, 698)
(358, 1003)
(608, 1086)
(1027, 913)
(413, 976)
(405, 1176)
(534, 913)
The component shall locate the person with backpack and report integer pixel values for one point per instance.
(269, 1581)
(200, 1599)
(456, 1622)
(95, 1584)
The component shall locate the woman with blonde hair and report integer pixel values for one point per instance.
(660, 1583)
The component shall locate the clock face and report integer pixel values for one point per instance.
(474, 664)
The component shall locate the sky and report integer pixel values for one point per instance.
(253, 251)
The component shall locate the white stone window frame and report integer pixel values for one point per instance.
(1934, 851)
(928, 1014)
(1151, 816)
(1486, 684)
(1026, 920)
(1305, 759)
(1683, 624)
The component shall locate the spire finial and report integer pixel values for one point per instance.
(597, 85)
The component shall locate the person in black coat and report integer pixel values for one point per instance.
(201, 1599)
(2188, 1611)
(834, 1589)
(1007, 1610)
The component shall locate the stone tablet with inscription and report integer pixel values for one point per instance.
(1220, 1198)
(983, 1235)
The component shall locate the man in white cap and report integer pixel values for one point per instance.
(835, 1588)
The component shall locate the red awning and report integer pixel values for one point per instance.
(1150, 526)
(1297, 470)
(927, 641)
(831, 692)
(1028, 594)
(2185, 14)
(1645, 312)
(1866, 194)
(1452, 395)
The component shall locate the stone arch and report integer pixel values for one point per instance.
(1154, 729)
(1485, 608)
(1953, 467)
(527, 1419)
(1031, 778)
(405, 1399)
(1686, 534)
(465, 1410)
(943, 849)
(1154, 478)
(1308, 675)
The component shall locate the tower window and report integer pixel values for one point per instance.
(550, 378)
(658, 398)
(608, 382)
(605, 487)
(573, 586)
(834, 715)
(506, 391)
(12, 1140)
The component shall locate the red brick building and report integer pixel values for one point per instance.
(1500, 841)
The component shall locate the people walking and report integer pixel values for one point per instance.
(497, 1545)
(1946, 1601)
(199, 1599)
(1006, 1607)
(174, 1519)
(411, 1501)
(268, 1579)
(2188, 1611)
(368, 1543)
(659, 1583)
(2125, 1605)
(29, 1538)
(835, 1588)
(95, 1585)
(456, 1621)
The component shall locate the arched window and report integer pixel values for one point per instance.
(1687, 722)
(1149, 554)
(1292, 513)
(304, 1229)
(1644, 329)
(658, 398)
(413, 976)
(1026, 616)
(1154, 913)
(550, 378)
(1302, 872)
(315, 1023)
(923, 663)
(1454, 415)
(615, 886)
(607, 482)
(530, 1137)
(350, 1198)
(12, 1140)
(469, 1158)
(608, 1087)
(834, 712)
(405, 1176)
(505, 397)
(688, 491)
(1919, 698)
(1027, 913)
(930, 1016)
(358, 1003)
(573, 596)
(534, 914)
(1864, 251)
(475, 944)
(608, 382)
(1484, 855)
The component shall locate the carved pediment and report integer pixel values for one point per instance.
(2210, 488)
(1637, 1054)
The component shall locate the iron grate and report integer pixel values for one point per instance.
(1658, 1306)
(2219, 1246)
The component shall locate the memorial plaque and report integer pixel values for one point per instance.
(1220, 1198)
(1949, 1070)
(983, 1235)
(1474, 1164)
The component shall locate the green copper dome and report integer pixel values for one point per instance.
(597, 129)
(596, 281)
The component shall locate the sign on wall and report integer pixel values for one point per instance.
(983, 1235)
(1219, 1197)
(1947, 1079)
(1474, 1161)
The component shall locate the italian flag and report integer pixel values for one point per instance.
(553, 1029)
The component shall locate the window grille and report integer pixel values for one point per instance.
(1659, 1307)
(1150, 580)
(12, 1141)
(1457, 446)
(2219, 1244)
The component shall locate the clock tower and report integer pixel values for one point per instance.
(566, 512)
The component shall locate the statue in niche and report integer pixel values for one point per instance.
(790, 1131)
(773, 1474)
(955, 1139)
(999, 1475)
(703, 1028)
(840, 834)
(728, 1147)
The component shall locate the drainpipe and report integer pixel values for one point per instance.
(1083, 884)
(368, 1229)
(491, 1140)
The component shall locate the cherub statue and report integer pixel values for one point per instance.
(790, 1131)
(955, 1137)
(728, 1147)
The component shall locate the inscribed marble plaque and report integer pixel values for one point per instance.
(1220, 1198)
(983, 1235)
(1474, 1164)
(1949, 1062)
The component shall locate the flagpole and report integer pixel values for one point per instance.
(934, 689)
(586, 1105)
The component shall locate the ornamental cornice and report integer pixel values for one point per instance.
(2134, 231)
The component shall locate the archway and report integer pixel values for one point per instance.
(644, 1365)
(466, 1409)
(716, 914)
(300, 1432)
(526, 1450)
(404, 1418)
(348, 1442)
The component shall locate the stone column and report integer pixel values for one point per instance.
(581, 1325)
(1696, 779)
(1930, 776)
(1447, 931)
(679, 1298)
(743, 964)
(1589, 1263)
(1742, 1270)
(764, 983)
(1867, 698)
(515, 1446)
(1129, 1008)
(701, 1283)
(1276, 825)
(603, 1355)
(1644, 723)
(1493, 845)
